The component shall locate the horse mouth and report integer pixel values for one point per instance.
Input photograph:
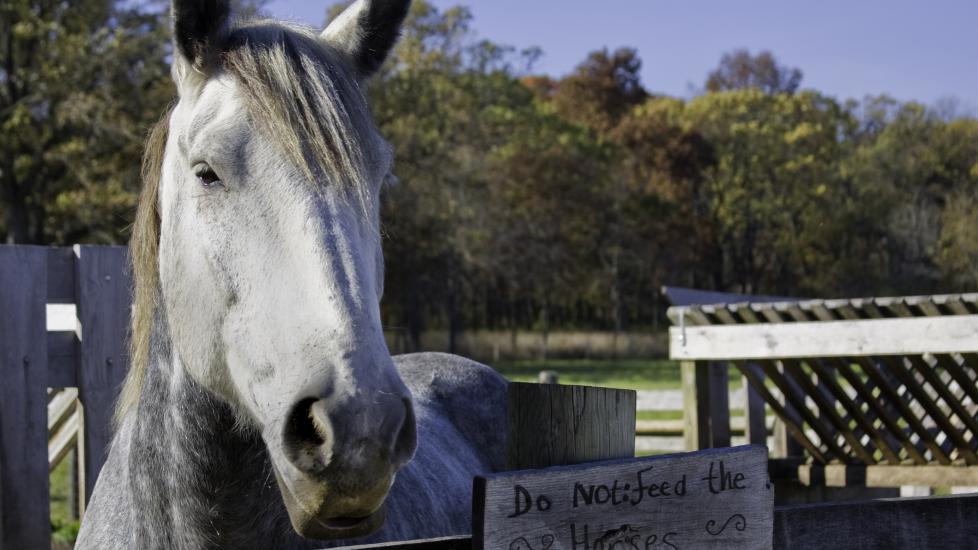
(314, 524)
(343, 527)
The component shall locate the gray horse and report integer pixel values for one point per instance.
(263, 409)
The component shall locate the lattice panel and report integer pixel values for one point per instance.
(882, 410)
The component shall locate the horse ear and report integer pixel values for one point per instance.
(366, 31)
(199, 26)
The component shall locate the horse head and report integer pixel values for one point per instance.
(269, 258)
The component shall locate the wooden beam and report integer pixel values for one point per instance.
(755, 418)
(706, 405)
(864, 337)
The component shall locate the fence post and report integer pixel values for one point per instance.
(24, 501)
(103, 299)
(755, 421)
(551, 424)
(706, 404)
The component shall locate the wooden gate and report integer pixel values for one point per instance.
(92, 358)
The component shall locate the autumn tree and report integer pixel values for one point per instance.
(739, 70)
(81, 84)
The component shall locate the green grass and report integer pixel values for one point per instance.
(629, 374)
(673, 415)
(64, 529)
(634, 374)
(659, 415)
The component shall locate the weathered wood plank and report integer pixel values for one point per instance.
(25, 516)
(103, 309)
(696, 427)
(706, 405)
(947, 334)
(718, 498)
(61, 275)
(62, 359)
(754, 410)
(552, 424)
(905, 523)
(719, 404)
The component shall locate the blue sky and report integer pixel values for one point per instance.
(924, 50)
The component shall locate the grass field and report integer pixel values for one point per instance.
(632, 374)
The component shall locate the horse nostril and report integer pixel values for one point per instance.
(304, 429)
(407, 437)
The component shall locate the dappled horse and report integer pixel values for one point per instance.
(263, 409)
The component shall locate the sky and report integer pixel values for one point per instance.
(923, 50)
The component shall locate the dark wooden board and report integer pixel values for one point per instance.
(552, 424)
(893, 524)
(670, 501)
(23, 399)
(103, 310)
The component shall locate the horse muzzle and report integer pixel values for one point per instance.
(337, 462)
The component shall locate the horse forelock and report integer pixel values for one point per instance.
(305, 98)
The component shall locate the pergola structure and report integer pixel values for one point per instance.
(874, 392)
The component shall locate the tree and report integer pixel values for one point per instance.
(739, 69)
(779, 206)
(81, 83)
(602, 89)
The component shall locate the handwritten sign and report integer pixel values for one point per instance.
(718, 498)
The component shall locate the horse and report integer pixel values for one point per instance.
(263, 408)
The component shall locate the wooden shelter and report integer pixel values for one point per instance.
(874, 392)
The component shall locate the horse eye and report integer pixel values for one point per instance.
(207, 177)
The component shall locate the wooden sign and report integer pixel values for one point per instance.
(717, 498)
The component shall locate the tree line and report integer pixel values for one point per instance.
(528, 201)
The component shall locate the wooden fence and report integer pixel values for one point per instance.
(878, 392)
(888, 407)
(92, 359)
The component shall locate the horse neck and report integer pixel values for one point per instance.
(197, 479)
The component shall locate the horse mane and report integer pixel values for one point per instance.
(299, 93)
